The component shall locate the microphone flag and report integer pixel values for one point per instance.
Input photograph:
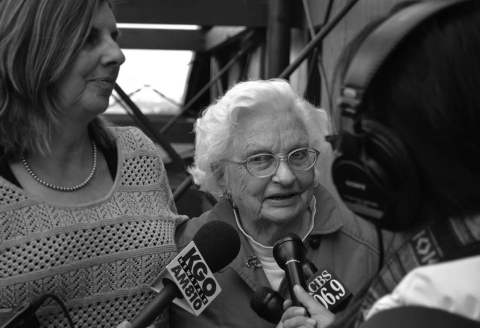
(191, 274)
(327, 288)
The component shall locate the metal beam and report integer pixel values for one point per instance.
(149, 129)
(251, 43)
(220, 36)
(250, 13)
(317, 39)
(139, 38)
(322, 11)
(278, 37)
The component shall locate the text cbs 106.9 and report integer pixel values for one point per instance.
(326, 289)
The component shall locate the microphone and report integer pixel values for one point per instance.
(289, 253)
(267, 304)
(213, 247)
(309, 269)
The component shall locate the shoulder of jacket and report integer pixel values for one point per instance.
(355, 227)
(359, 229)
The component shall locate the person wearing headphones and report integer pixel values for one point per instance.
(408, 159)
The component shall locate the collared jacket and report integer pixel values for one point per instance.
(343, 241)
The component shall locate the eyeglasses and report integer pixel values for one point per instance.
(265, 165)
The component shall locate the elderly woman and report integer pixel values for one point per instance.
(86, 212)
(260, 151)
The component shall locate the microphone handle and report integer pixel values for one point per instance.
(160, 302)
(309, 269)
(295, 276)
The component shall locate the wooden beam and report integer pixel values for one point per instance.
(139, 38)
(250, 13)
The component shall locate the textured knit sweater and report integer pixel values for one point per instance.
(98, 258)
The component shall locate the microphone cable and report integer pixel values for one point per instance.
(381, 249)
(29, 311)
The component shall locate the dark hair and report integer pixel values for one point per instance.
(39, 40)
(427, 92)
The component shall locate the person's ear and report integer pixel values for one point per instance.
(218, 170)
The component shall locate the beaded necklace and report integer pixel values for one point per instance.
(51, 186)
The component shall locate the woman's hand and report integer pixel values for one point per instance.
(294, 316)
(125, 324)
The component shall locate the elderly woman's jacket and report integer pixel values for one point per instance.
(343, 241)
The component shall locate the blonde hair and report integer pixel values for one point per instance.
(39, 40)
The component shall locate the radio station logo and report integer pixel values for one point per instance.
(193, 277)
(326, 288)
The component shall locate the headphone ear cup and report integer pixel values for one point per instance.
(384, 156)
(354, 182)
(374, 174)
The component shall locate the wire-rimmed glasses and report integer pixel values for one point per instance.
(265, 165)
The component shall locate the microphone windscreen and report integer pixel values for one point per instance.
(219, 244)
(259, 299)
(267, 304)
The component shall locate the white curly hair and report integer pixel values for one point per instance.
(216, 126)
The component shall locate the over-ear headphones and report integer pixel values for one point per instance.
(373, 172)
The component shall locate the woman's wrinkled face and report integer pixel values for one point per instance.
(284, 196)
(87, 87)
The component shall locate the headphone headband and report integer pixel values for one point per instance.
(380, 43)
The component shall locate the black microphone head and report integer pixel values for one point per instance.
(219, 244)
(267, 304)
(288, 247)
